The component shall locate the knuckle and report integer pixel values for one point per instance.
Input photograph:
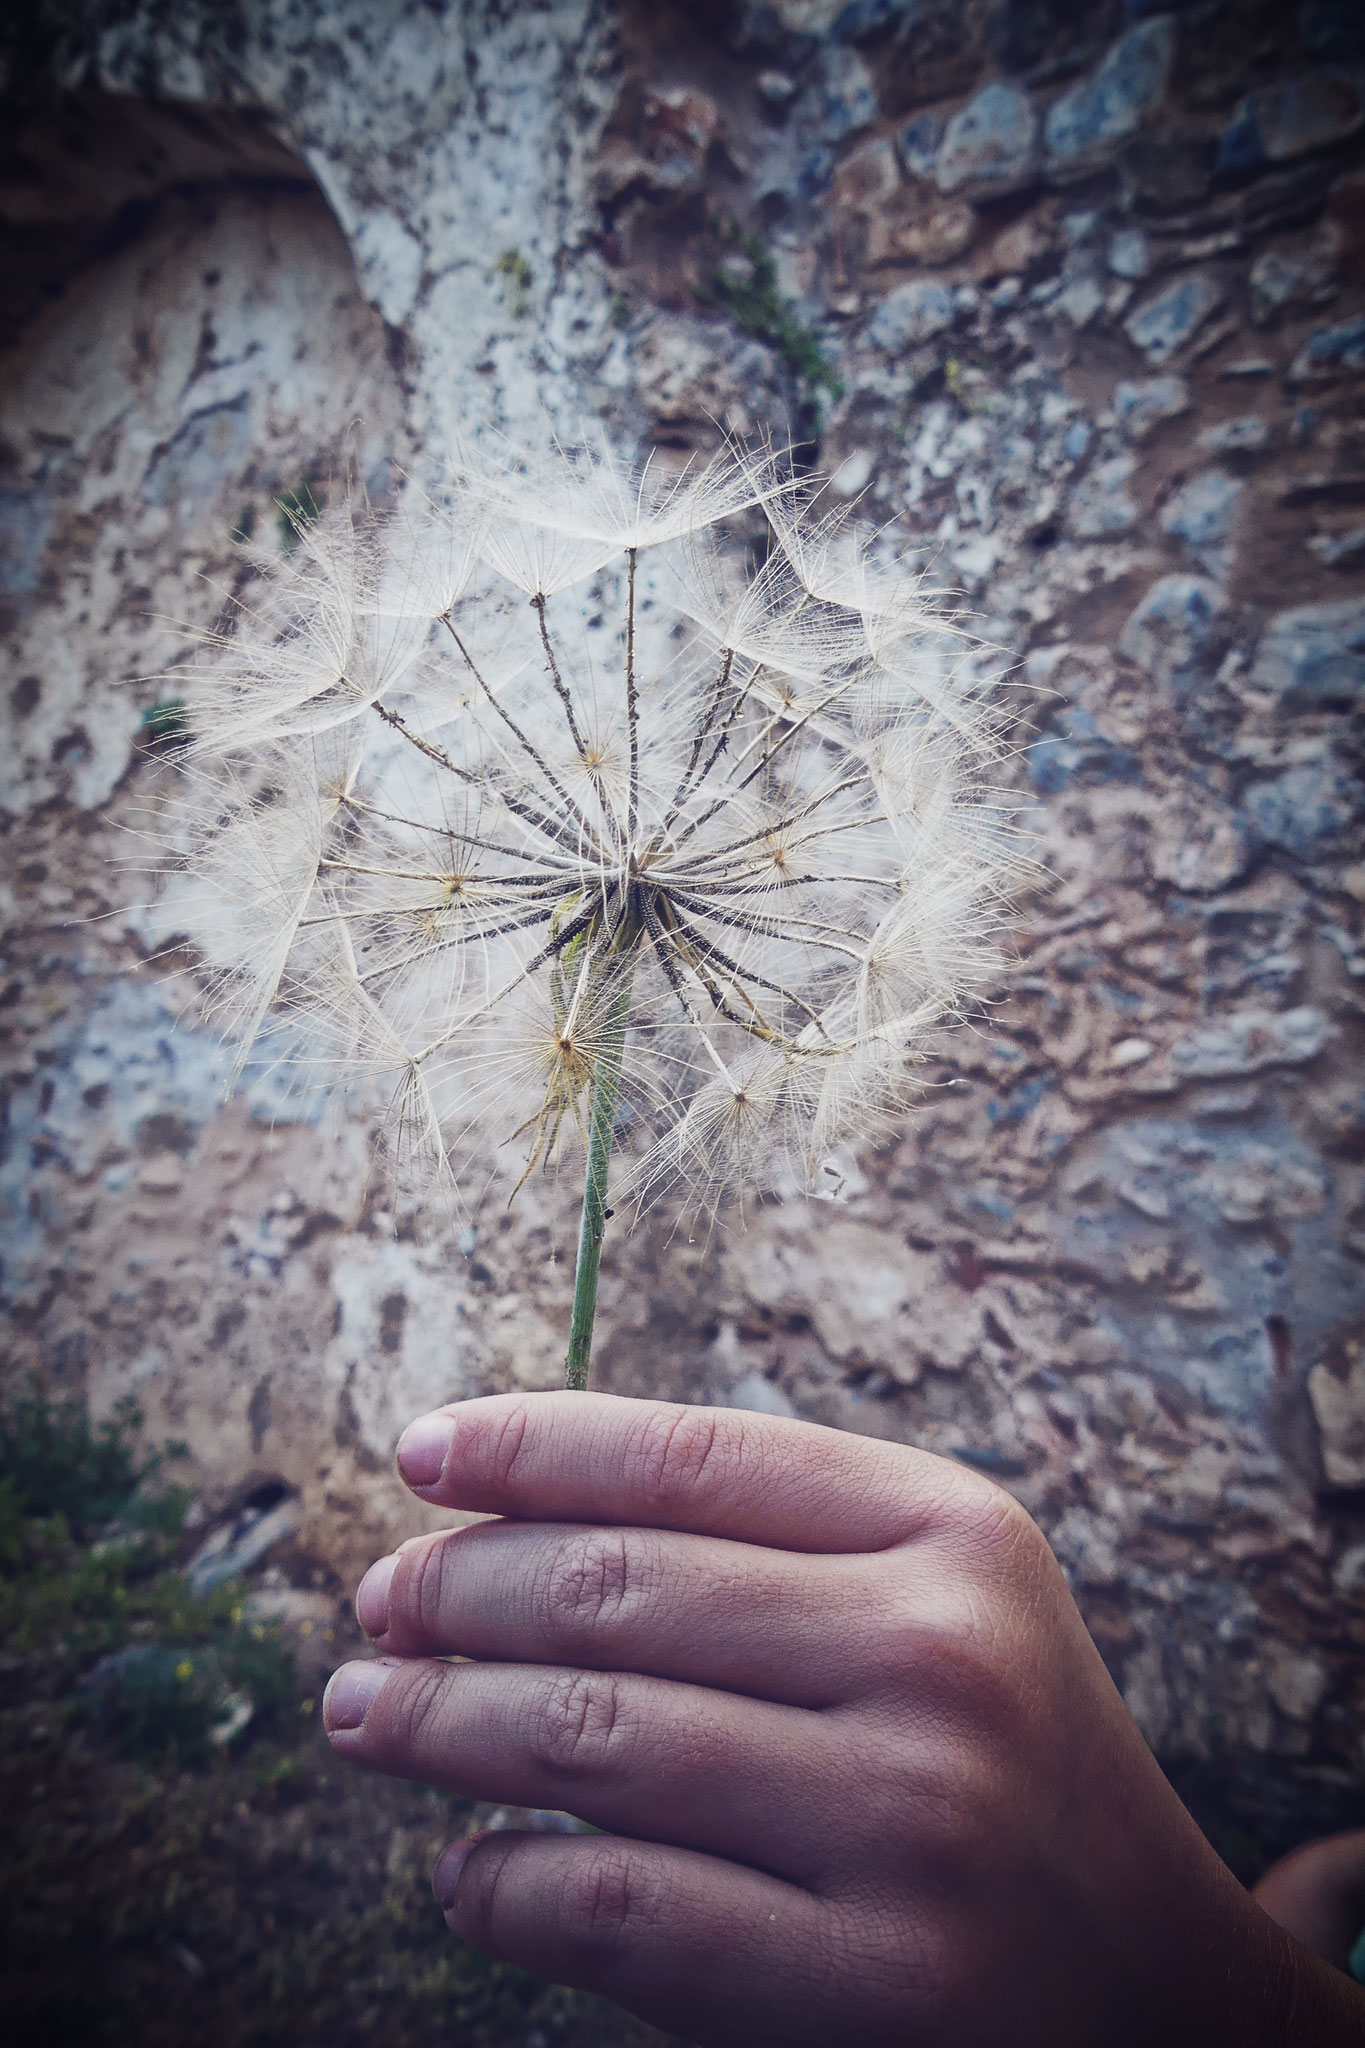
(411, 1707)
(604, 1901)
(590, 1581)
(952, 1654)
(992, 1526)
(417, 1595)
(580, 1730)
(487, 1900)
(679, 1446)
(509, 1443)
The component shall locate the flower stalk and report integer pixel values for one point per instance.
(606, 1093)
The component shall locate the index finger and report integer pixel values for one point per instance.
(574, 1457)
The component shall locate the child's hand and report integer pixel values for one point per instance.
(861, 1773)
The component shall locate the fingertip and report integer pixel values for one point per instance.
(351, 1692)
(445, 1878)
(423, 1449)
(372, 1596)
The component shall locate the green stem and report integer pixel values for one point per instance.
(606, 1089)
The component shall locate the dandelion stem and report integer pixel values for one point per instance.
(632, 698)
(606, 1089)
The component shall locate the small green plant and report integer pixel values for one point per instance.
(744, 286)
(167, 1672)
(164, 726)
(54, 1461)
(297, 508)
(959, 380)
(245, 526)
(517, 278)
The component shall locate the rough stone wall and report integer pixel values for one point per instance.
(1076, 293)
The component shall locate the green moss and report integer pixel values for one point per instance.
(744, 286)
(517, 278)
(959, 380)
(165, 725)
(297, 509)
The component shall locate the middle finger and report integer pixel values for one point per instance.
(775, 1624)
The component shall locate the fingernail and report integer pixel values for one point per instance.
(423, 1449)
(372, 1596)
(351, 1692)
(449, 1864)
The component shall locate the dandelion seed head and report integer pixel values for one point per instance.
(560, 743)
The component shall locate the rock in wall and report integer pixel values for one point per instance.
(1077, 296)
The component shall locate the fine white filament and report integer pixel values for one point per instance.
(560, 742)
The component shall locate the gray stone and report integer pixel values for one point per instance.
(1336, 548)
(776, 88)
(844, 99)
(1302, 810)
(1248, 434)
(1112, 102)
(1163, 324)
(1275, 277)
(1080, 299)
(991, 141)
(808, 17)
(911, 314)
(1129, 254)
(1251, 1041)
(1176, 629)
(1330, 351)
(918, 144)
(1296, 1681)
(1079, 227)
(1313, 111)
(1201, 512)
(238, 1544)
(1200, 855)
(1337, 1391)
(862, 18)
(1076, 440)
(25, 523)
(1260, 1185)
(1100, 503)
(1138, 407)
(758, 1395)
(1313, 654)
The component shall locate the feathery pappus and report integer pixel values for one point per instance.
(571, 798)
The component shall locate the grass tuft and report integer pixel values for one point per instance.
(744, 286)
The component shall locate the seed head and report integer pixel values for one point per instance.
(562, 744)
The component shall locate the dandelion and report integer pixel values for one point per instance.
(594, 811)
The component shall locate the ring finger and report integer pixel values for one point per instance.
(636, 1756)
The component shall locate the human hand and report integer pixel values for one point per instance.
(862, 1774)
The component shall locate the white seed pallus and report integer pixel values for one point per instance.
(564, 738)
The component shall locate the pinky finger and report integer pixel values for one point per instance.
(721, 1954)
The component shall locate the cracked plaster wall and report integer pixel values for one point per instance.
(1091, 286)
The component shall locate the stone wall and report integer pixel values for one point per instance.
(1074, 293)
